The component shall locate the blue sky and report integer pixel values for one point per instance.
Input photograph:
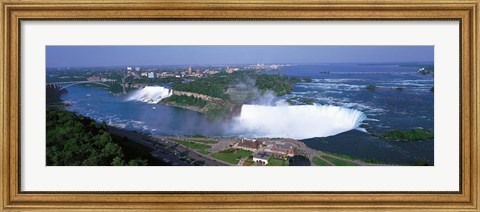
(84, 56)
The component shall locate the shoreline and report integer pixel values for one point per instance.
(152, 142)
(131, 133)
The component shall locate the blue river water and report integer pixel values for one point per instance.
(386, 107)
(341, 85)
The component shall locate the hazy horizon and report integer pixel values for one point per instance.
(117, 56)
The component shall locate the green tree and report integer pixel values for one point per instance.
(137, 162)
(117, 161)
(104, 125)
(74, 140)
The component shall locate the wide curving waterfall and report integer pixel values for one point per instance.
(150, 94)
(299, 121)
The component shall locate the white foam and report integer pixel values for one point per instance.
(298, 121)
(150, 94)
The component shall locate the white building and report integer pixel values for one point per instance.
(261, 158)
(151, 75)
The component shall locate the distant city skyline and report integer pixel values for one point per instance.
(97, 56)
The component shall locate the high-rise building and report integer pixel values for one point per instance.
(190, 70)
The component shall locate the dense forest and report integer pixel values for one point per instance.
(116, 88)
(182, 100)
(213, 110)
(281, 85)
(214, 86)
(74, 140)
(217, 86)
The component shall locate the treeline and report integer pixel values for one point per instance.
(216, 86)
(116, 88)
(414, 134)
(74, 140)
(281, 85)
(183, 100)
(212, 110)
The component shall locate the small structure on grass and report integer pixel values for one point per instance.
(261, 157)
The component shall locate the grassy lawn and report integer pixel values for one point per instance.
(319, 162)
(338, 162)
(348, 157)
(202, 148)
(231, 156)
(277, 162)
(205, 141)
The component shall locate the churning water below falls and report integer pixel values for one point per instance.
(335, 123)
(131, 112)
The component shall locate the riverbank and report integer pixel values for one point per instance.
(182, 151)
(409, 109)
(357, 144)
(185, 150)
(213, 108)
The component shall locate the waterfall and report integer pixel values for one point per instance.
(298, 121)
(150, 94)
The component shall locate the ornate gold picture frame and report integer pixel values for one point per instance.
(14, 11)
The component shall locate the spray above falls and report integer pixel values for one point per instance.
(297, 121)
(150, 94)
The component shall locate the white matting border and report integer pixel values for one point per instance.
(444, 176)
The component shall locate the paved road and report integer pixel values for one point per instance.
(166, 150)
(171, 152)
(222, 144)
(209, 161)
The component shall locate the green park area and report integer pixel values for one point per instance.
(231, 155)
(202, 148)
(319, 162)
(277, 162)
(338, 162)
(205, 141)
(217, 85)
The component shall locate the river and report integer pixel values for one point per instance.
(335, 87)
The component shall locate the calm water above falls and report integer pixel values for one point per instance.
(385, 109)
